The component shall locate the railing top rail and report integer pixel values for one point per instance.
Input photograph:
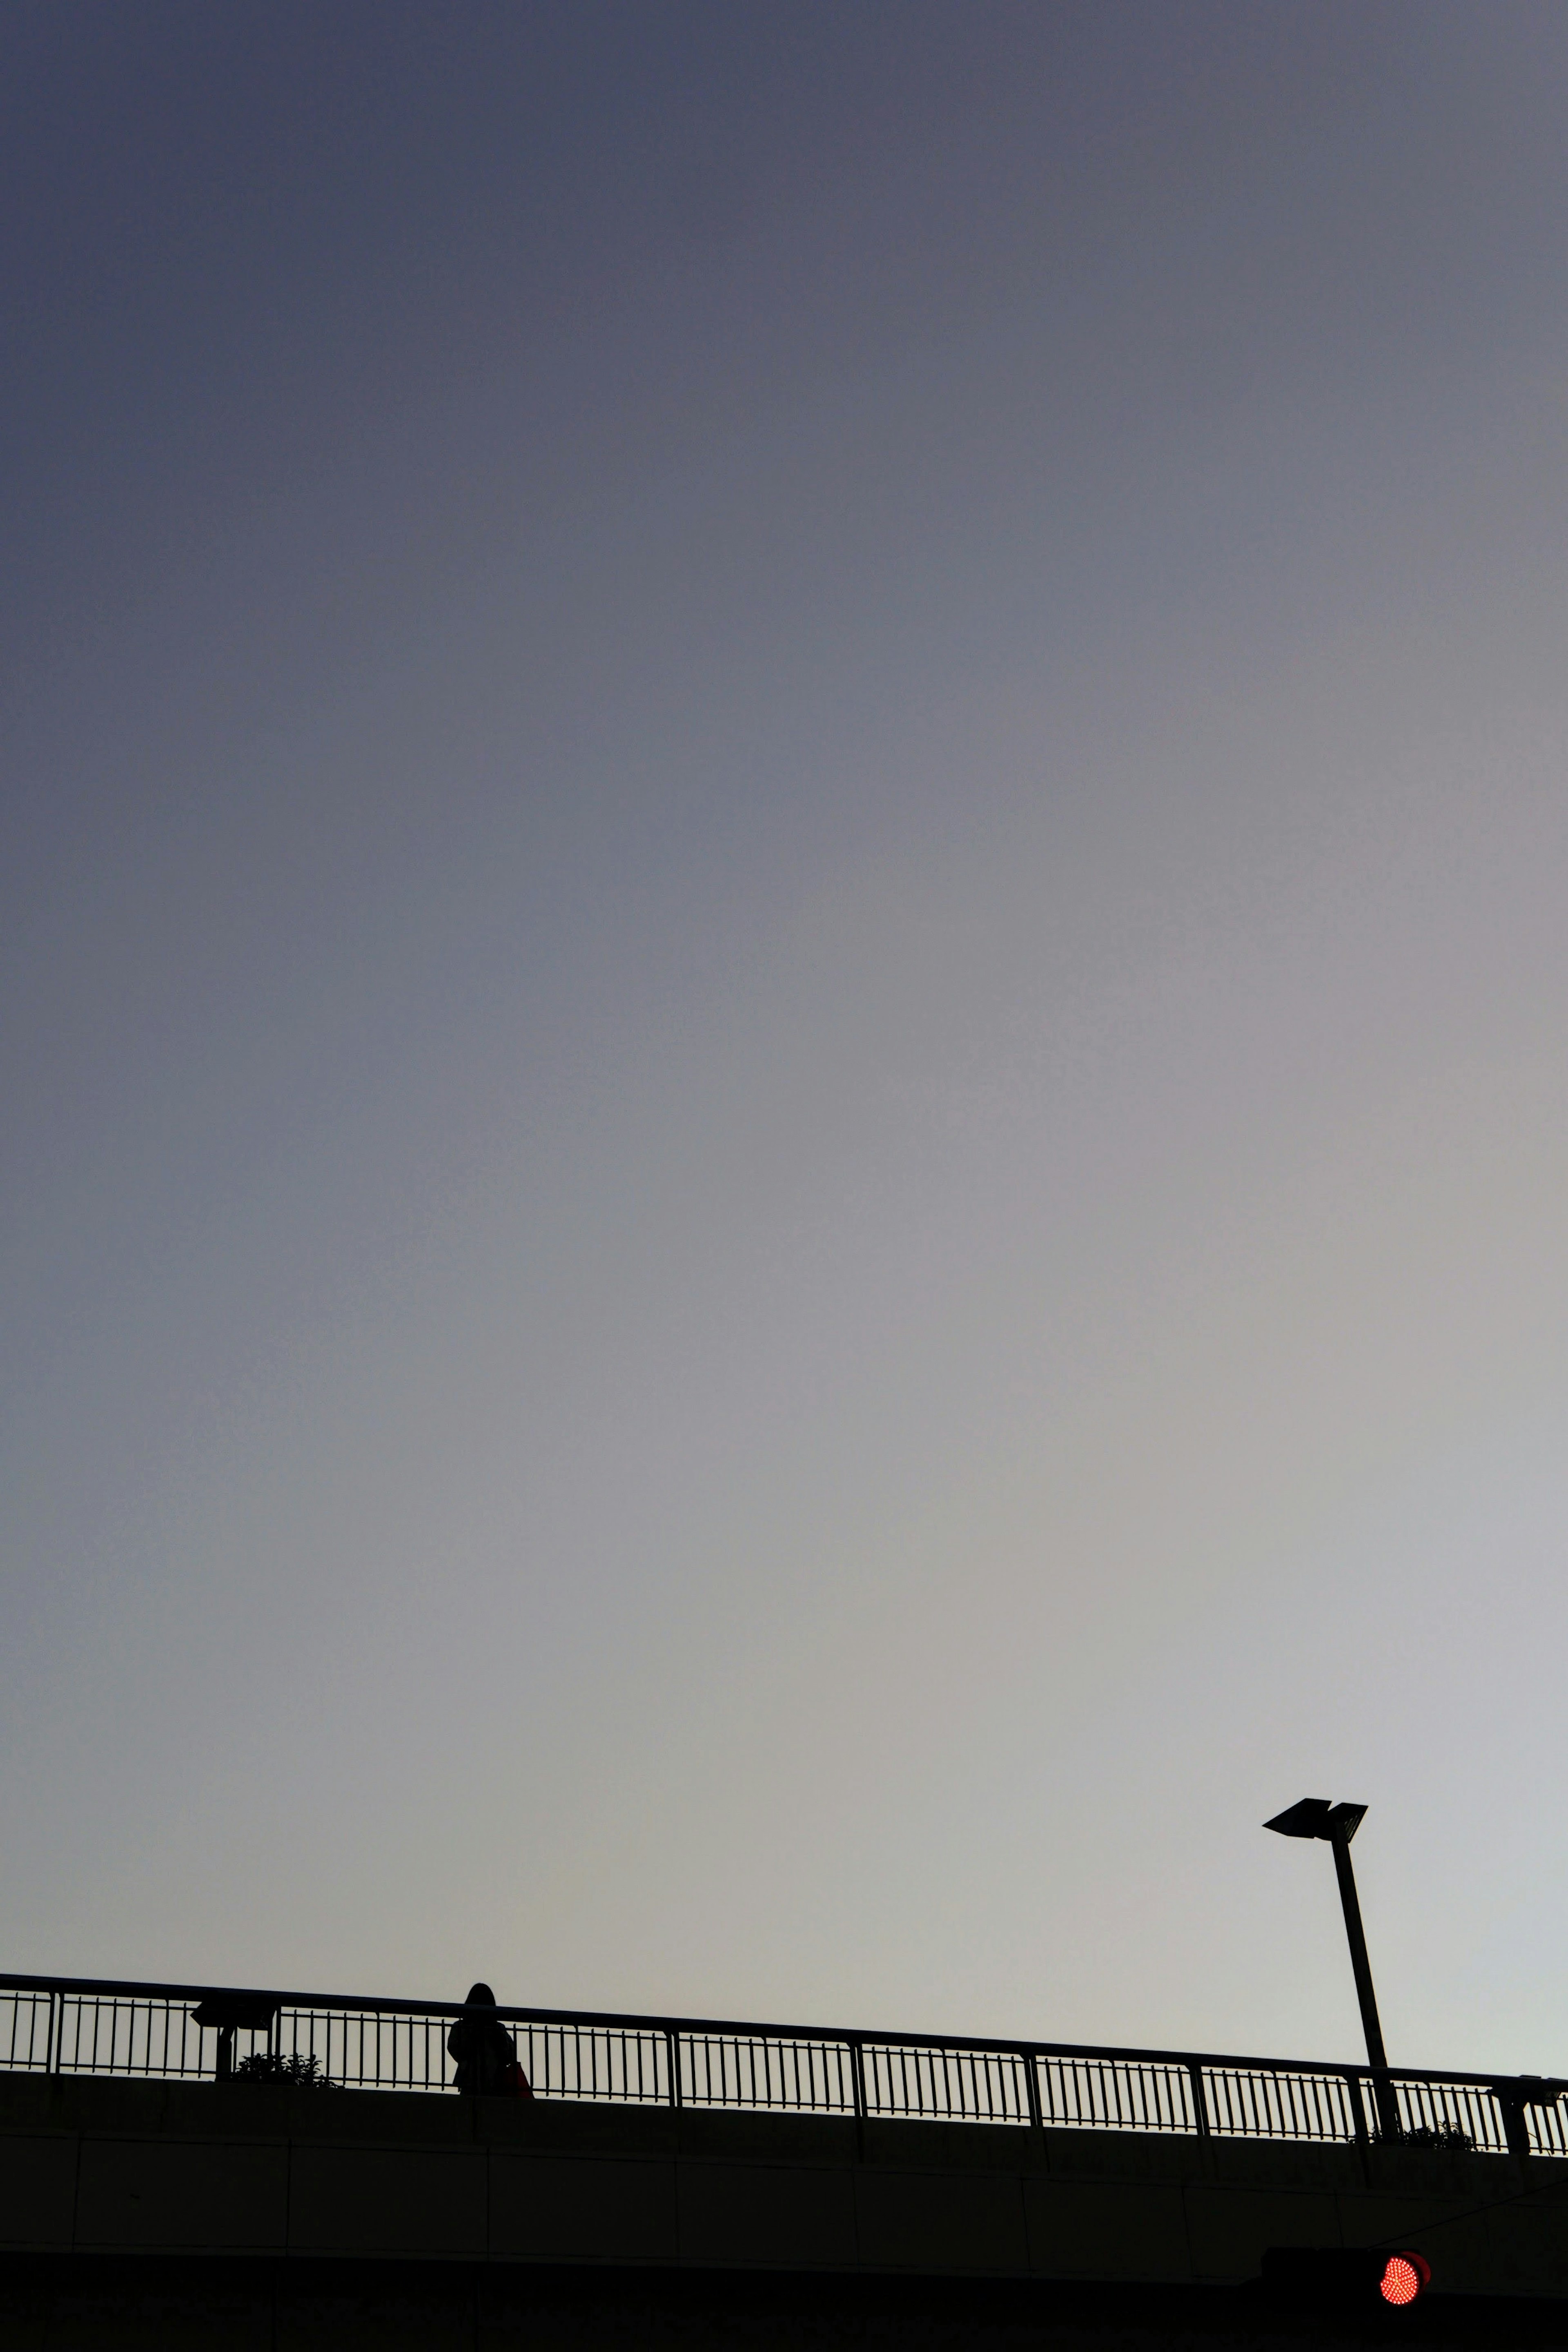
(615, 2020)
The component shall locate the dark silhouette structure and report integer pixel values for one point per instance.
(707, 2183)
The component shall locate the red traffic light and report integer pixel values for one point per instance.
(1403, 2277)
(1343, 2278)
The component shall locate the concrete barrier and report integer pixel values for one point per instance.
(99, 2171)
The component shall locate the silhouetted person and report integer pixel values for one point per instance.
(485, 2052)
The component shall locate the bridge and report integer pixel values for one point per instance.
(164, 2179)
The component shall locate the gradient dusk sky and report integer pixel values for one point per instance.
(784, 909)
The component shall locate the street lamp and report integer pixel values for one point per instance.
(1314, 1817)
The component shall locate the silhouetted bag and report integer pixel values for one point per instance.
(515, 2084)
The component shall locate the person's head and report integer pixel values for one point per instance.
(480, 1997)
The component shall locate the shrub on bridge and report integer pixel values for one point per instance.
(271, 2066)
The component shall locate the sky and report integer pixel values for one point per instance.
(784, 1085)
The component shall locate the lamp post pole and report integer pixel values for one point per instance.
(1360, 1965)
(1314, 1817)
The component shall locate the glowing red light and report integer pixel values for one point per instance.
(1404, 2276)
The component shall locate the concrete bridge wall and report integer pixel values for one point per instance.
(106, 2172)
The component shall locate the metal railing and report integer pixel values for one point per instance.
(65, 2025)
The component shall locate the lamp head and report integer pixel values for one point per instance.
(1314, 1817)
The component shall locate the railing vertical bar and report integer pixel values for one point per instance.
(1032, 2088)
(857, 2081)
